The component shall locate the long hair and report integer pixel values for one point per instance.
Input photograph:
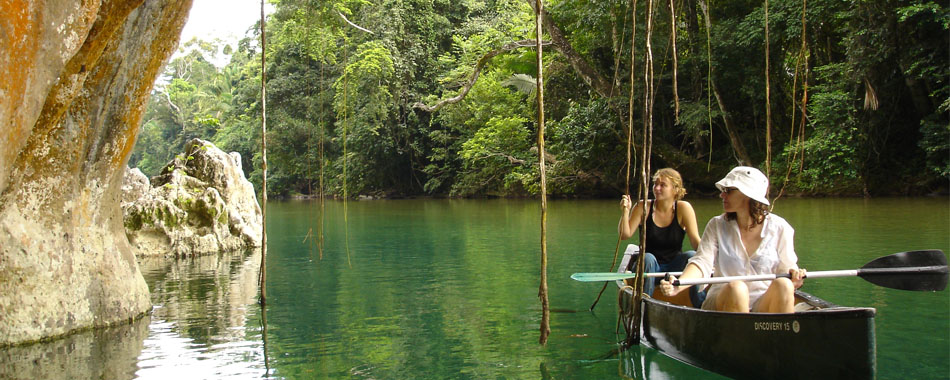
(757, 210)
(675, 179)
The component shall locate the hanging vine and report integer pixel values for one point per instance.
(263, 276)
(768, 104)
(702, 6)
(797, 140)
(543, 289)
(633, 338)
(676, 96)
(629, 139)
(346, 229)
(323, 209)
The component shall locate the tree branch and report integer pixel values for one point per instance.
(354, 25)
(478, 68)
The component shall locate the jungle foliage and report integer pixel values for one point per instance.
(859, 96)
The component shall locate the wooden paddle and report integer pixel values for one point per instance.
(924, 270)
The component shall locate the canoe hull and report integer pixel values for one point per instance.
(824, 341)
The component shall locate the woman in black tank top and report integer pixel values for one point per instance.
(669, 219)
(664, 242)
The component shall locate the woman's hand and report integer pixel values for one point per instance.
(625, 203)
(666, 286)
(798, 277)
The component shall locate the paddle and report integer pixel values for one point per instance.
(924, 270)
(615, 276)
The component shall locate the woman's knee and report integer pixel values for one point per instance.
(736, 288)
(783, 285)
(734, 296)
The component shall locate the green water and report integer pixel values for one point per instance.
(437, 289)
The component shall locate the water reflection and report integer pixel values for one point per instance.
(641, 363)
(448, 289)
(110, 353)
(200, 317)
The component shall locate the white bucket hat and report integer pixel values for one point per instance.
(750, 181)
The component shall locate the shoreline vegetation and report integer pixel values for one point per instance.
(438, 100)
(375, 197)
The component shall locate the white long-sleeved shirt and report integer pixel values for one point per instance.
(721, 253)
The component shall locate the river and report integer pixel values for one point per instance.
(447, 289)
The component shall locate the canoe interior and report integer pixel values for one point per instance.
(820, 340)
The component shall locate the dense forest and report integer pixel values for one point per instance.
(437, 97)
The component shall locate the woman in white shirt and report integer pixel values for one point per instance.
(745, 240)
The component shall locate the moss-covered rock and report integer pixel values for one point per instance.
(200, 203)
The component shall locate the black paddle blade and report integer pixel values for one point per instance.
(914, 270)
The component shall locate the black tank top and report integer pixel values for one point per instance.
(664, 242)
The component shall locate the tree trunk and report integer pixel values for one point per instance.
(590, 76)
(737, 147)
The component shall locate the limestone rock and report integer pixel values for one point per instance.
(199, 204)
(134, 186)
(74, 77)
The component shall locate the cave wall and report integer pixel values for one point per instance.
(75, 77)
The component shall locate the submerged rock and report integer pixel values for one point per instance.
(200, 203)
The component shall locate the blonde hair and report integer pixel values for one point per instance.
(675, 179)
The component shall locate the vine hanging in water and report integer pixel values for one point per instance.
(543, 288)
(263, 277)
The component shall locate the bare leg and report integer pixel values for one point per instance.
(733, 297)
(778, 298)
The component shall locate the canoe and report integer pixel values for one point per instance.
(819, 340)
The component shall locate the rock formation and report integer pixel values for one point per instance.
(74, 80)
(199, 204)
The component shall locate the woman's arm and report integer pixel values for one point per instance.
(785, 247)
(629, 220)
(704, 258)
(691, 271)
(688, 221)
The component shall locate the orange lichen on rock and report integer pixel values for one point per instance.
(74, 78)
(16, 55)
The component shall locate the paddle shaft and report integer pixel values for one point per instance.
(818, 274)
